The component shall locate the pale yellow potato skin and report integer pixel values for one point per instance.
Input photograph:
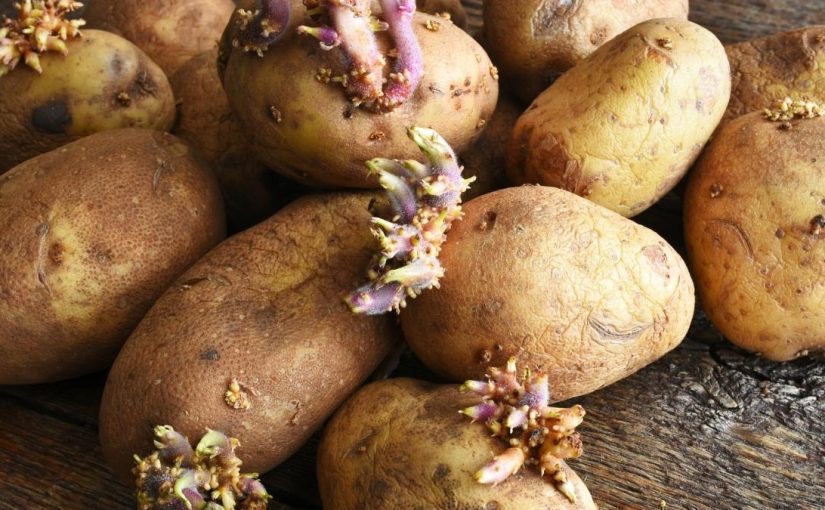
(400, 444)
(565, 286)
(105, 82)
(170, 32)
(265, 307)
(750, 227)
(623, 126)
(319, 139)
(90, 235)
(534, 41)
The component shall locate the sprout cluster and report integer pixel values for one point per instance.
(517, 411)
(425, 199)
(789, 109)
(176, 477)
(41, 26)
(261, 28)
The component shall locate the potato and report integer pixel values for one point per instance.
(623, 126)
(91, 234)
(755, 233)
(169, 32)
(105, 82)
(401, 444)
(264, 309)
(565, 286)
(252, 192)
(312, 133)
(766, 70)
(534, 41)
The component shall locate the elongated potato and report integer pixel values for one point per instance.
(90, 235)
(563, 285)
(264, 309)
(623, 126)
(755, 233)
(401, 443)
(105, 82)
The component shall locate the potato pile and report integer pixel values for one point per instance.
(330, 137)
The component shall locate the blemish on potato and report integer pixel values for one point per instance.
(123, 99)
(716, 190)
(780, 234)
(817, 225)
(488, 221)
(277, 117)
(53, 117)
(377, 136)
(441, 471)
(211, 354)
(485, 356)
(56, 254)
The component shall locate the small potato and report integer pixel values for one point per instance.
(769, 69)
(623, 126)
(91, 234)
(105, 82)
(263, 310)
(171, 32)
(401, 444)
(534, 41)
(755, 233)
(565, 286)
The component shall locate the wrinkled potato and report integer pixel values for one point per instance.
(312, 133)
(91, 234)
(623, 126)
(401, 443)
(565, 286)
(264, 309)
(534, 41)
(171, 33)
(105, 82)
(252, 192)
(769, 69)
(755, 233)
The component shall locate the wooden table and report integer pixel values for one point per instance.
(707, 427)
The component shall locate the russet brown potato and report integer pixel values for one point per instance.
(90, 235)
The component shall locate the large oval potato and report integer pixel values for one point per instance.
(755, 233)
(534, 41)
(90, 235)
(401, 443)
(565, 286)
(623, 126)
(310, 131)
(105, 82)
(169, 32)
(264, 308)
(769, 69)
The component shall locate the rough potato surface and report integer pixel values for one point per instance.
(105, 82)
(401, 444)
(565, 286)
(623, 126)
(90, 235)
(755, 233)
(264, 309)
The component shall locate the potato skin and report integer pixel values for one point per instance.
(623, 126)
(534, 41)
(105, 82)
(171, 33)
(563, 285)
(310, 131)
(91, 234)
(768, 69)
(401, 444)
(752, 209)
(264, 307)
(454, 8)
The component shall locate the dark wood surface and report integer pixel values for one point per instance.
(707, 427)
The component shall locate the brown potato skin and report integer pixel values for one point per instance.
(81, 94)
(623, 126)
(169, 32)
(264, 307)
(534, 41)
(401, 444)
(91, 234)
(768, 69)
(252, 192)
(565, 286)
(758, 259)
(318, 138)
